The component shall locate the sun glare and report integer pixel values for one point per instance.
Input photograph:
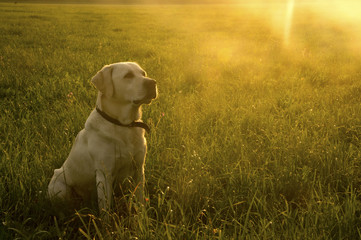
(284, 16)
(288, 22)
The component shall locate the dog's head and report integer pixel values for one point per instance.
(126, 82)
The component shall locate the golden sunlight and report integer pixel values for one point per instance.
(282, 16)
(288, 22)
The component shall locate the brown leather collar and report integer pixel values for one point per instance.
(116, 122)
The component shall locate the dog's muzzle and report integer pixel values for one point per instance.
(150, 87)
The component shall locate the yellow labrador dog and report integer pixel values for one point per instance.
(111, 147)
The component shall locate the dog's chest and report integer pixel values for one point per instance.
(129, 154)
(124, 151)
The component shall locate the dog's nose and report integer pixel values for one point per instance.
(150, 83)
(151, 87)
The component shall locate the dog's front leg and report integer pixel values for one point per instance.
(104, 190)
(139, 178)
(139, 194)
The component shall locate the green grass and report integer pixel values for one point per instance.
(251, 139)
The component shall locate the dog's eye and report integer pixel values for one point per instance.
(129, 75)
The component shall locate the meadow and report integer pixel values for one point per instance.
(253, 136)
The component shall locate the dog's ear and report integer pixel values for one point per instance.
(103, 81)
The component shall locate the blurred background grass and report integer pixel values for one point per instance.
(251, 138)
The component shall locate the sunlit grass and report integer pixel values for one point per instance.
(251, 139)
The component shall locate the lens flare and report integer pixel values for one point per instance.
(288, 22)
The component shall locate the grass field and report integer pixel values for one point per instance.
(253, 137)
